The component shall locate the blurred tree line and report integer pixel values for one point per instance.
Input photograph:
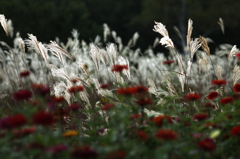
(48, 19)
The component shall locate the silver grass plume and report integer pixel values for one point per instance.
(236, 74)
(205, 61)
(178, 32)
(152, 89)
(221, 23)
(219, 71)
(165, 40)
(32, 43)
(58, 51)
(132, 42)
(106, 32)
(232, 52)
(156, 42)
(124, 61)
(200, 62)
(58, 72)
(112, 54)
(194, 46)
(94, 53)
(189, 33)
(205, 45)
(181, 76)
(3, 22)
(10, 28)
(60, 89)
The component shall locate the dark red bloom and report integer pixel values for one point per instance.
(40, 89)
(159, 120)
(226, 100)
(212, 95)
(192, 96)
(209, 105)
(127, 91)
(107, 107)
(58, 99)
(168, 62)
(74, 106)
(219, 82)
(104, 86)
(142, 134)
(75, 89)
(22, 95)
(35, 145)
(143, 101)
(119, 68)
(166, 134)
(58, 148)
(13, 121)
(235, 131)
(24, 73)
(236, 88)
(84, 152)
(200, 117)
(74, 80)
(135, 116)
(119, 154)
(24, 131)
(207, 144)
(238, 55)
(43, 118)
(141, 89)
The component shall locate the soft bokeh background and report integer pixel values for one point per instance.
(48, 19)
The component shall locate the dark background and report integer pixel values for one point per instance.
(48, 19)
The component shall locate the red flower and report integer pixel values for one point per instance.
(107, 106)
(192, 96)
(58, 99)
(207, 144)
(219, 82)
(143, 101)
(84, 152)
(22, 95)
(200, 117)
(212, 95)
(40, 89)
(43, 118)
(104, 86)
(236, 88)
(142, 134)
(74, 106)
(119, 68)
(56, 149)
(24, 131)
(35, 145)
(159, 120)
(13, 121)
(119, 154)
(226, 100)
(141, 89)
(127, 91)
(166, 134)
(168, 62)
(236, 131)
(75, 89)
(24, 73)
(135, 116)
(209, 105)
(238, 55)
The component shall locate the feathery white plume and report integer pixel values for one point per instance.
(3, 22)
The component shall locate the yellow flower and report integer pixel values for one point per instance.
(70, 133)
